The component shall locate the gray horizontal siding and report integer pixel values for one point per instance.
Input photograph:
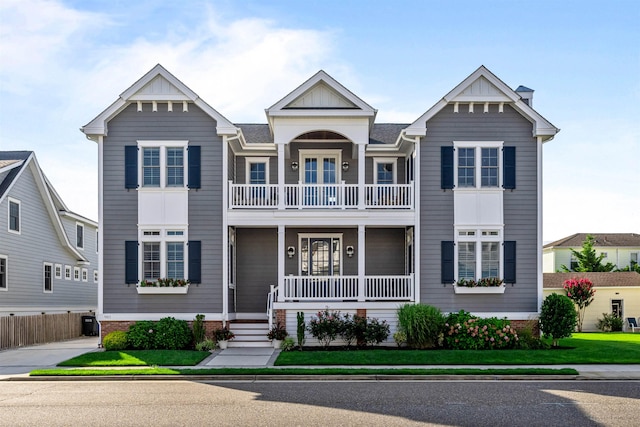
(520, 207)
(27, 252)
(120, 215)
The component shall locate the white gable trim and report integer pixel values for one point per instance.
(156, 85)
(484, 86)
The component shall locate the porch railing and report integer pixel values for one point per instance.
(346, 288)
(271, 298)
(320, 196)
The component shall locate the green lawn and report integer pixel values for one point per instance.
(590, 348)
(138, 358)
(297, 371)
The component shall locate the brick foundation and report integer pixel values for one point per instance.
(534, 325)
(281, 317)
(361, 312)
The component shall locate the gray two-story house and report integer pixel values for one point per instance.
(48, 254)
(319, 207)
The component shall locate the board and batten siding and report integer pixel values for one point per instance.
(520, 208)
(27, 252)
(120, 215)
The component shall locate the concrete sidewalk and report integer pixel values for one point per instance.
(19, 362)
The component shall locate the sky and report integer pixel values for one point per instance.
(64, 62)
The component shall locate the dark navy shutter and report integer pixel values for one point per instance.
(446, 167)
(195, 261)
(131, 261)
(130, 166)
(194, 166)
(510, 262)
(447, 262)
(509, 167)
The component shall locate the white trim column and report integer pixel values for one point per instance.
(281, 194)
(281, 255)
(225, 228)
(361, 176)
(361, 262)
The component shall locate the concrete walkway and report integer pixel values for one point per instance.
(19, 362)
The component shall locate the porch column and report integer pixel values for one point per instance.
(281, 195)
(361, 266)
(361, 175)
(281, 250)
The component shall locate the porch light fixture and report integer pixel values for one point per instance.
(345, 166)
(349, 251)
(291, 251)
(294, 166)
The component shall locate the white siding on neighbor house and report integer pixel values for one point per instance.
(619, 256)
(27, 252)
(630, 297)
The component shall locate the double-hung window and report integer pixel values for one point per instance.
(385, 171)
(163, 163)
(163, 254)
(79, 236)
(478, 164)
(14, 216)
(4, 280)
(479, 254)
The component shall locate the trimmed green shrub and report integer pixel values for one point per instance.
(206, 344)
(466, 332)
(287, 344)
(141, 335)
(375, 331)
(557, 317)
(114, 341)
(353, 330)
(172, 334)
(422, 324)
(300, 329)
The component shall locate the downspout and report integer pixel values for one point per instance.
(416, 217)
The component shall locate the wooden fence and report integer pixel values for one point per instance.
(20, 331)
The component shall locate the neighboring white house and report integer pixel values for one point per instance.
(620, 249)
(48, 254)
(616, 293)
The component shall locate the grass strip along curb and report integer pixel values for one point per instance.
(299, 371)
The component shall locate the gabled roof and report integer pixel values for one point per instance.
(600, 240)
(321, 95)
(50, 198)
(156, 85)
(480, 87)
(604, 280)
(11, 163)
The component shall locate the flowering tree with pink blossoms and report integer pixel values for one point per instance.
(581, 292)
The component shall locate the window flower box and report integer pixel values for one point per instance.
(163, 287)
(487, 285)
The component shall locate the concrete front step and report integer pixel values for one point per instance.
(249, 334)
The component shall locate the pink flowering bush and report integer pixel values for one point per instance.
(326, 326)
(466, 332)
(581, 292)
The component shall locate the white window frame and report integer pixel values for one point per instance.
(15, 201)
(6, 273)
(384, 160)
(80, 225)
(337, 236)
(256, 160)
(85, 275)
(162, 145)
(57, 270)
(477, 146)
(44, 277)
(76, 274)
(306, 154)
(67, 272)
(470, 234)
(163, 238)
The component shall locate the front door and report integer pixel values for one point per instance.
(319, 256)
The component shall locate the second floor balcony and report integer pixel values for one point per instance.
(321, 196)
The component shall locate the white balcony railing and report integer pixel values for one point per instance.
(345, 288)
(320, 196)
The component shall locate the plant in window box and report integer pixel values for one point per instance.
(485, 282)
(165, 283)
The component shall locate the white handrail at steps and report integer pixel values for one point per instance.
(271, 297)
